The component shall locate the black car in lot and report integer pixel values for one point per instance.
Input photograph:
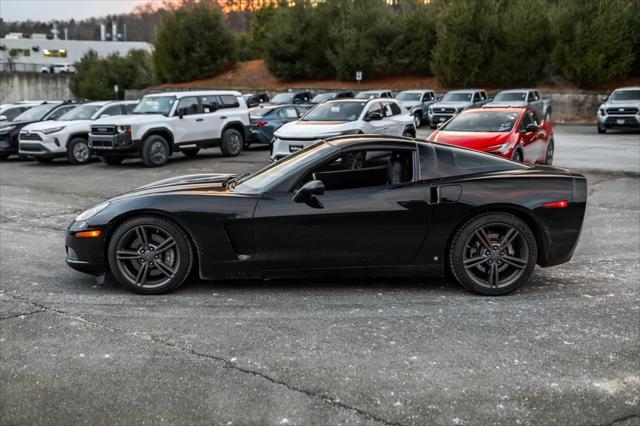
(330, 96)
(349, 205)
(268, 118)
(293, 97)
(255, 99)
(9, 131)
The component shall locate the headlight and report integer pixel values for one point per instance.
(500, 149)
(52, 130)
(123, 129)
(92, 211)
(7, 129)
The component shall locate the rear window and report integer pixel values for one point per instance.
(437, 161)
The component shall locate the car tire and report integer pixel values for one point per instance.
(112, 160)
(78, 151)
(232, 143)
(602, 129)
(150, 255)
(191, 152)
(44, 160)
(489, 245)
(517, 156)
(155, 151)
(548, 160)
(417, 119)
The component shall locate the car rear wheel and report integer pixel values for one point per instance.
(78, 151)
(550, 151)
(417, 119)
(155, 151)
(191, 152)
(493, 254)
(112, 160)
(232, 143)
(517, 156)
(150, 255)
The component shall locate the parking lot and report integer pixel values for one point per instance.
(564, 349)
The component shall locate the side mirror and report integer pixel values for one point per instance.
(490, 99)
(308, 191)
(605, 98)
(374, 116)
(180, 112)
(532, 128)
(105, 115)
(3, 118)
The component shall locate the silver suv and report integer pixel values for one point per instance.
(621, 110)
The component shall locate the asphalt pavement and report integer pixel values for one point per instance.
(564, 349)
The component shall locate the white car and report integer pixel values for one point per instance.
(165, 123)
(58, 69)
(343, 117)
(10, 111)
(69, 135)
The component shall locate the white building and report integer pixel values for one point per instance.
(29, 53)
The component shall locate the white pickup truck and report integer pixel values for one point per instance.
(169, 122)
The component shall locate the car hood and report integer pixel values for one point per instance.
(621, 104)
(450, 105)
(43, 125)
(205, 182)
(314, 129)
(131, 119)
(410, 104)
(473, 140)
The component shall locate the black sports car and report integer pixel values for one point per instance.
(350, 205)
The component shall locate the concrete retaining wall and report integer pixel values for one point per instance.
(33, 86)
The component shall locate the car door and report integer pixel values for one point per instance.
(356, 226)
(188, 121)
(393, 114)
(377, 127)
(529, 140)
(539, 143)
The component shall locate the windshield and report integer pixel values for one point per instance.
(83, 112)
(155, 105)
(409, 96)
(282, 98)
(485, 121)
(511, 96)
(335, 111)
(322, 97)
(457, 97)
(366, 95)
(626, 95)
(263, 179)
(36, 113)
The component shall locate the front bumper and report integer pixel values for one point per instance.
(41, 145)
(6, 147)
(611, 121)
(121, 143)
(85, 254)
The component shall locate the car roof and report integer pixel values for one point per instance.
(628, 88)
(517, 90)
(186, 93)
(466, 90)
(350, 140)
(499, 108)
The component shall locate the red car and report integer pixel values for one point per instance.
(516, 133)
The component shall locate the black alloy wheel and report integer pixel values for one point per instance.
(493, 254)
(232, 143)
(550, 151)
(155, 151)
(150, 255)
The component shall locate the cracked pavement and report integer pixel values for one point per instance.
(563, 349)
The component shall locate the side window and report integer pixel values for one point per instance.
(531, 97)
(301, 111)
(59, 112)
(375, 107)
(188, 106)
(13, 113)
(526, 120)
(395, 109)
(210, 103)
(476, 97)
(459, 162)
(288, 113)
(229, 101)
(483, 94)
(112, 110)
(364, 168)
(129, 108)
(535, 119)
(388, 112)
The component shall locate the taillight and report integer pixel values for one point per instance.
(261, 123)
(556, 204)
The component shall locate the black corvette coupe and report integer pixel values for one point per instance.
(351, 205)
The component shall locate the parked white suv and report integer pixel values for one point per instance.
(58, 69)
(69, 135)
(342, 117)
(164, 123)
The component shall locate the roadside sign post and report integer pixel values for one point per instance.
(358, 77)
(115, 89)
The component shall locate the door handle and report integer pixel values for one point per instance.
(224, 117)
(199, 119)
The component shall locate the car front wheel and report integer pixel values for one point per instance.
(78, 151)
(493, 254)
(150, 255)
(550, 151)
(601, 129)
(155, 151)
(417, 119)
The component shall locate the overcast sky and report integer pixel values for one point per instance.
(47, 10)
